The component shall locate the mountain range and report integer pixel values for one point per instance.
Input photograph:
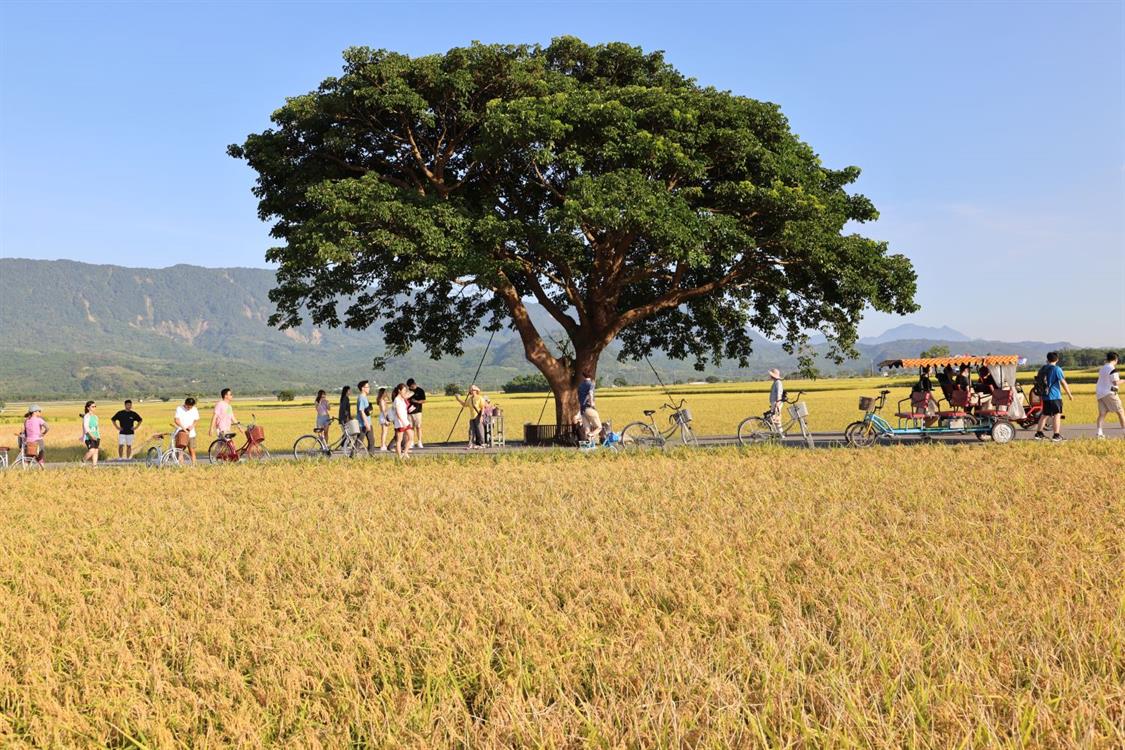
(74, 329)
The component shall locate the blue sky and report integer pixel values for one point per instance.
(990, 134)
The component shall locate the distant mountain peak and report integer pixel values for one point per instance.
(913, 332)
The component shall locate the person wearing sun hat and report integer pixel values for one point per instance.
(777, 393)
(34, 428)
(474, 402)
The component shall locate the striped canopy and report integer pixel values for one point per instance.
(955, 360)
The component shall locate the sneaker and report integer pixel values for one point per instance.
(1056, 438)
(419, 445)
(1039, 436)
(383, 449)
(1101, 436)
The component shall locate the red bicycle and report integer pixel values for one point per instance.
(223, 448)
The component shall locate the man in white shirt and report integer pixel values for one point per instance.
(1109, 402)
(186, 417)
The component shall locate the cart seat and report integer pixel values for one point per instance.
(959, 400)
(919, 401)
(1001, 400)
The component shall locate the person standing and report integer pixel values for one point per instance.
(386, 419)
(777, 395)
(34, 429)
(344, 412)
(126, 421)
(1107, 393)
(1052, 382)
(187, 415)
(417, 399)
(474, 402)
(403, 431)
(322, 418)
(223, 417)
(91, 434)
(363, 414)
(587, 409)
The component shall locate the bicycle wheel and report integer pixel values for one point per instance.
(687, 435)
(258, 452)
(640, 435)
(152, 456)
(860, 434)
(309, 446)
(756, 431)
(221, 450)
(174, 457)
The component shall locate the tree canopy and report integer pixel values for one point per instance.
(436, 194)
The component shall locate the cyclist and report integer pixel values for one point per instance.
(223, 417)
(777, 395)
(34, 428)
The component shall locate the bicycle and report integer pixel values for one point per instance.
(156, 454)
(648, 435)
(315, 446)
(768, 427)
(22, 460)
(223, 449)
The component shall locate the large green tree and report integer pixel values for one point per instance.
(437, 194)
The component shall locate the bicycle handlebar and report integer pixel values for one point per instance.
(785, 397)
(677, 407)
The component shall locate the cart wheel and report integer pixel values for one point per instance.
(1003, 432)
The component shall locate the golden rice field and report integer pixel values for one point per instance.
(717, 410)
(912, 596)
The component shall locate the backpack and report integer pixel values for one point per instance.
(1041, 380)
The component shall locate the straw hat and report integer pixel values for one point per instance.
(474, 387)
(774, 373)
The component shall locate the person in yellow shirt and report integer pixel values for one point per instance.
(474, 402)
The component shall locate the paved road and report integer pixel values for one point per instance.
(821, 439)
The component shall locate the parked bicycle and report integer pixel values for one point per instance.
(769, 428)
(157, 452)
(223, 448)
(315, 446)
(649, 435)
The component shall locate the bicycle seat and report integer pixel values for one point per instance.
(884, 391)
(649, 412)
(159, 435)
(229, 435)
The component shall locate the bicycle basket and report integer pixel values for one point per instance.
(182, 439)
(799, 410)
(351, 427)
(866, 402)
(683, 416)
(255, 434)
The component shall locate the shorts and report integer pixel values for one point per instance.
(385, 421)
(123, 439)
(321, 421)
(1053, 406)
(592, 420)
(1109, 404)
(416, 420)
(93, 443)
(403, 429)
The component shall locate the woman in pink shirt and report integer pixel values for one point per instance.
(34, 428)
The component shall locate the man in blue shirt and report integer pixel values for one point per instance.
(1052, 382)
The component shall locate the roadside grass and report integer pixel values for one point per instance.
(904, 597)
(717, 409)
